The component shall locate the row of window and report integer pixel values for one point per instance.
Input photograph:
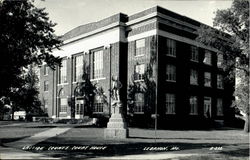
(171, 51)
(97, 67)
(170, 105)
(171, 75)
(98, 106)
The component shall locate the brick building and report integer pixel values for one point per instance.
(155, 56)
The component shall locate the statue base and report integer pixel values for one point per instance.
(116, 127)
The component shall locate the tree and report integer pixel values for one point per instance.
(27, 96)
(232, 40)
(26, 37)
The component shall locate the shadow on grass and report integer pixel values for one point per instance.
(74, 150)
(8, 140)
(238, 152)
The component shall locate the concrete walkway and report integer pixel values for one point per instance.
(14, 149)
(39, 137)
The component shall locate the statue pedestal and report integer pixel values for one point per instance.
(116, 127)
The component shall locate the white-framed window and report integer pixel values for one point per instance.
(46, 70)
(193, 77)
(46, 85)
(78, 68)
(207, 107)
(139, 72)
(220, 60)
(220, 81)
(98, 104)
(140, 47)
(171, 47)
(170, 73)
(208, 57)
(63, 72)
(194, 54)
(63, 104)
(98, 64)
(219, 106)
(170, 103)
(207, 79)
(139, 103)
(193, 101)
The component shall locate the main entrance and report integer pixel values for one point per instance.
(79, 108)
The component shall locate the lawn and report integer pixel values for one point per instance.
(213, 144)
(226, 143)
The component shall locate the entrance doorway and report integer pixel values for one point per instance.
(79, 108)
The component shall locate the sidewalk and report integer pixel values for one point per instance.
(14, 149)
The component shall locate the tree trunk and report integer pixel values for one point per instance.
(12, 117)
(246, 126)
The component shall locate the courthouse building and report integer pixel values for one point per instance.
(155, 56)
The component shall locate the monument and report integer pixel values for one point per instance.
(116, 127)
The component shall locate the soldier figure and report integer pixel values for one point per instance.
(116, 85)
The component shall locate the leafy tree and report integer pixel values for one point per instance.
(27, 97)
(26, 37)
(233, 43)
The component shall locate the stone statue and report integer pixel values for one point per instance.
(116, 86)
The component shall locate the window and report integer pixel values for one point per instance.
(170, 73)
(220, 81)
(46, 104)
(207, 79)
(207, 107)
(219, 111)
(139, 103)
(208, 57)
(139, 72)
(46, 70)
(194, 54)
(63, 104)
(193, 105)
(140, 47)
(98, 104)
(193, 76)
(98, 64)
(170, 103)
(219, 60)
(78, 68)
(63, 72)
(46, 85)
(171, 47)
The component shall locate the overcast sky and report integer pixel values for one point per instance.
(69, 14)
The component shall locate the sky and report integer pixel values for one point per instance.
(69, 14)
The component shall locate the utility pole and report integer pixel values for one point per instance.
(156, 82)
